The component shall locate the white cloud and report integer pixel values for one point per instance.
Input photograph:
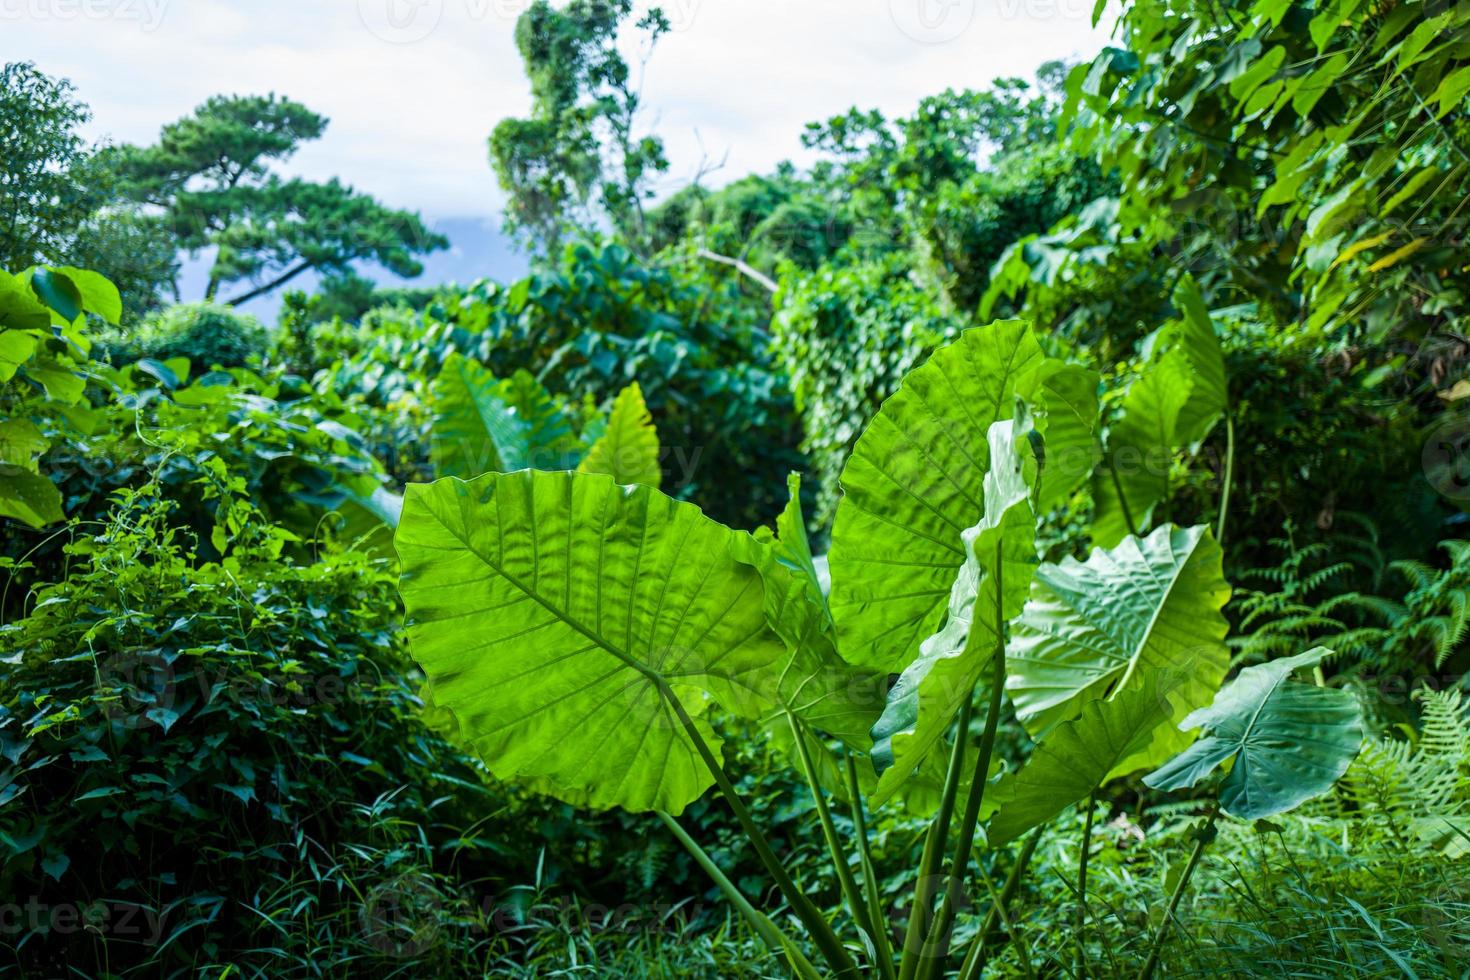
(413, 87)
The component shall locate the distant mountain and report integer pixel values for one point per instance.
(477, 250)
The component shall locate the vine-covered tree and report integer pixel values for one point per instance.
(577, 160)
(211, 176)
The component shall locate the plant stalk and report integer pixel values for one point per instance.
(1229, 479)
(821, 932)
(1122, 499)
(975, 960)
(881, 941)
(767, 929)
(959, 865)
(856, 905)
(1162, 932)
(929, 864)
(1081, 927)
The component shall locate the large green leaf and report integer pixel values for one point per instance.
(475, 430)
(29, 497)
(1289, 741)
(628, 448)
(1173, 406)
(1145, 612)
(989, 591)
(1194, 337)
(816, 685)
(912, 487)
(483, 424)
(1066, 417)
(1074, 759)
(550, 610)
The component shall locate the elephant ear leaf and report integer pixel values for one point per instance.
(577, 631)
(475, 430)
(1066, 417)
(1290, 741)
(483, 424)
(627, 450)
(1147, 611)
(914, 484)
(1075, 759)
(815, 684)
(988, 592)
(1173, 406)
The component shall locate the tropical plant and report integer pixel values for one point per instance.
(586, 639)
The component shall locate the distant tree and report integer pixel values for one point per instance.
(44, 193)
(210, 176)
(577, 160)
(57, 201)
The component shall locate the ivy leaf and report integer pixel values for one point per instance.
(1289, 741)
(1147, 611)
(627, 450)
(989, 591)
(912, 487)
(558, 616)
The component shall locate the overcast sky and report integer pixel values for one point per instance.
(413, 87)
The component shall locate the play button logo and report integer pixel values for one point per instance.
(400, 21)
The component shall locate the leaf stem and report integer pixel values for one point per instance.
(821, 932)
(959, 865)
(881, 940)
(976, 959)
(1162, 933)
(767, 929)
(850, 893)
(1229, 479)
(1081, 927)
(1122, 499)
(929, 864)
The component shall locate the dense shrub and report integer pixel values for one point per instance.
(208, 334)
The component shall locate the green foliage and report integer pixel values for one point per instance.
(43, 353)
(1420, 788)
(44, 177)
(180, 737)
(845, 337)
(1288, 741)
(627, 450)
(207, 335)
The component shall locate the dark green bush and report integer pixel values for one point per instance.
(208, 334)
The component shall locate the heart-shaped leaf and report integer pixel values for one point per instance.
(913, 485)
(1289, 741)
(989, 591)
(1148, 610)
(560, 616)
